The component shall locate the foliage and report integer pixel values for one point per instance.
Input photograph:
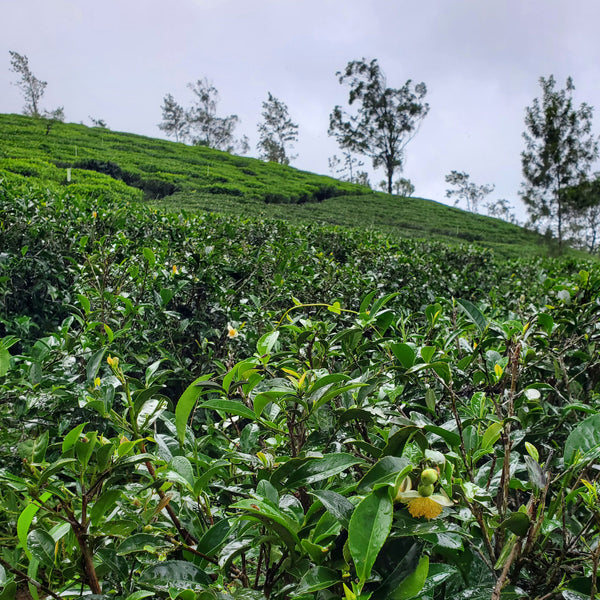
(501, 209)
(174, 121)
(31, 87)
(211, 407)
(362, 178)
(466, 190)
(277, 131)
(200, 124)
(99, 123)
(345, 168)
(560, 149)
(401, 186)
(207, 129)
(51, 117)
(583, 204)
(404, 187)
(195, 171)
(386, 119)
(57, 115)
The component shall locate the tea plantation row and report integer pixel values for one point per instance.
(216, 407)
(90, 160)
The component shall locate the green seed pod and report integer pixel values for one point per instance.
(425, 489)
(429, 476)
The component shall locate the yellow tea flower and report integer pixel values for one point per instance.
(429, 506)
(232, 332)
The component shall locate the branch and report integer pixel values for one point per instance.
(31, 580)
(501, 581)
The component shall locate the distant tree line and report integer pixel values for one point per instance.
(199, 124)
(559, 192)
(380, 121)
(202, 126)
(467, 191)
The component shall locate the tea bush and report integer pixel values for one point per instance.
(216, 407)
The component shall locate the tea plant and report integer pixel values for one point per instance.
(219, 408)
(290, 474)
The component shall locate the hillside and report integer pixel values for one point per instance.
(224, 407)
(175, 176)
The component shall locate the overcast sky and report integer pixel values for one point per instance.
(480, 59)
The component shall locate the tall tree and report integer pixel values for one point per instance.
(277, 132)
(386, 118)
(466, 190)
(560, 150)
(174, 121)
(208, 129)
(31, 87)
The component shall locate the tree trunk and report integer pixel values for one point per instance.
(559, 210)
(559, 214)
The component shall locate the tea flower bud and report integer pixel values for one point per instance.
(425, 490)
(429, 476)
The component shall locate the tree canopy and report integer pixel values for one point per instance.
(560, 150)
(466, 190)
(31, 87)
(200, 124)
(174, 121)
(207, 128)
(277, 131)
(386, 118)
(583, 205)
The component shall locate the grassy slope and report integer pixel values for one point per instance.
(207, 180)
(186, 168)
(404, 217)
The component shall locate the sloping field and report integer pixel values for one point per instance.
(175, 176)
